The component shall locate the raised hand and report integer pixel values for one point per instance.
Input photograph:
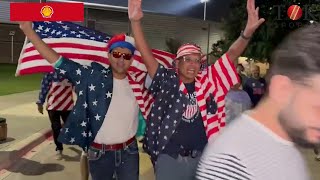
(253, 21)
(25, 25)
(134, 10)
(46, 52)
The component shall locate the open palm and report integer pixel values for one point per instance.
(254, 21)
(134, 10)
(24, 25)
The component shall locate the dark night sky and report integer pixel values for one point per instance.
(216, 9)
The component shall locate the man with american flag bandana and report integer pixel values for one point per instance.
(105, 117)
(189, 102)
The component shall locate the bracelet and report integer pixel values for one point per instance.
(244, 37)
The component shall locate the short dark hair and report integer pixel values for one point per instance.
(298, 56)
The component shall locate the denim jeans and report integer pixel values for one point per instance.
(123, 163)
(181, 168)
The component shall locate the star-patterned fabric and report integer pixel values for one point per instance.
(93, 86)
(170, 96)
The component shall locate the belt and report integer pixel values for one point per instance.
(113, 147)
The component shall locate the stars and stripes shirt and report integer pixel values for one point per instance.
(57, 91)
(94, 89)
(211, 86)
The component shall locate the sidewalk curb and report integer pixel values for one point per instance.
(21, 148)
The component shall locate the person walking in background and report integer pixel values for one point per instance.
(241, 73)
(58, 92)
(237, 101)
(255, 85)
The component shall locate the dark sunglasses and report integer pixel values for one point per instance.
(125, 56)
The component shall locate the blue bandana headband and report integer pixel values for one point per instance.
(122, 44)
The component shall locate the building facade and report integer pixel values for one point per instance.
(158, 28)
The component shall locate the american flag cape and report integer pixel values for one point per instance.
(84, 46)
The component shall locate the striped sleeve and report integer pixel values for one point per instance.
(222, 167)
(225, 72)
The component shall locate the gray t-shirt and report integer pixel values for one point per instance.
(248, 150)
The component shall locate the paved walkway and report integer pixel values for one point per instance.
(23, 118)
(40, 164)
(24, 123)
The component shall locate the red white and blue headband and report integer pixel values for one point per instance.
(123, 41)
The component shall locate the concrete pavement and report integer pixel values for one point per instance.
(26, 127)
(23, 119)
(28, 154)
(28, 133)
(41, 164)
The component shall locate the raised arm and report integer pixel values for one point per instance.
(253, 22)
(46, 52)
(135, 15)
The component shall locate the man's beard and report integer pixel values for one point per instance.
(297, 135)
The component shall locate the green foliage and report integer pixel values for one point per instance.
(272, 32)
(9, 84)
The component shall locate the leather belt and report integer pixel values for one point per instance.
(113, 147)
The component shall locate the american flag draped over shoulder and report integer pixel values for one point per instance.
(77, 43)
(84, 46)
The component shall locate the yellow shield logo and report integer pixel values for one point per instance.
(46, 11)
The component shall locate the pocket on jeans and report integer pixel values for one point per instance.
(93, 154)
(133, 148)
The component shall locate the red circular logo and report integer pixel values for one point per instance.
(294, 12)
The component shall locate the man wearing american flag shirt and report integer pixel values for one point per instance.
(189, 102)
(58, 92)
(105, 118)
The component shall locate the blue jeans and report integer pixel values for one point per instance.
(123, 163)
(182, 168)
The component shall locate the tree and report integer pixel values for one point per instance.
(173, 45)
(272, 32)
(217, 48)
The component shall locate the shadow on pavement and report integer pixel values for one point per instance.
(9, 139)
(36, 168)
(30, 168)
(73, 158)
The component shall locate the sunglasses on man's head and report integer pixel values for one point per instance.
(125, 56)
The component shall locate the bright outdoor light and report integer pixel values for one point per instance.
(204, 1)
